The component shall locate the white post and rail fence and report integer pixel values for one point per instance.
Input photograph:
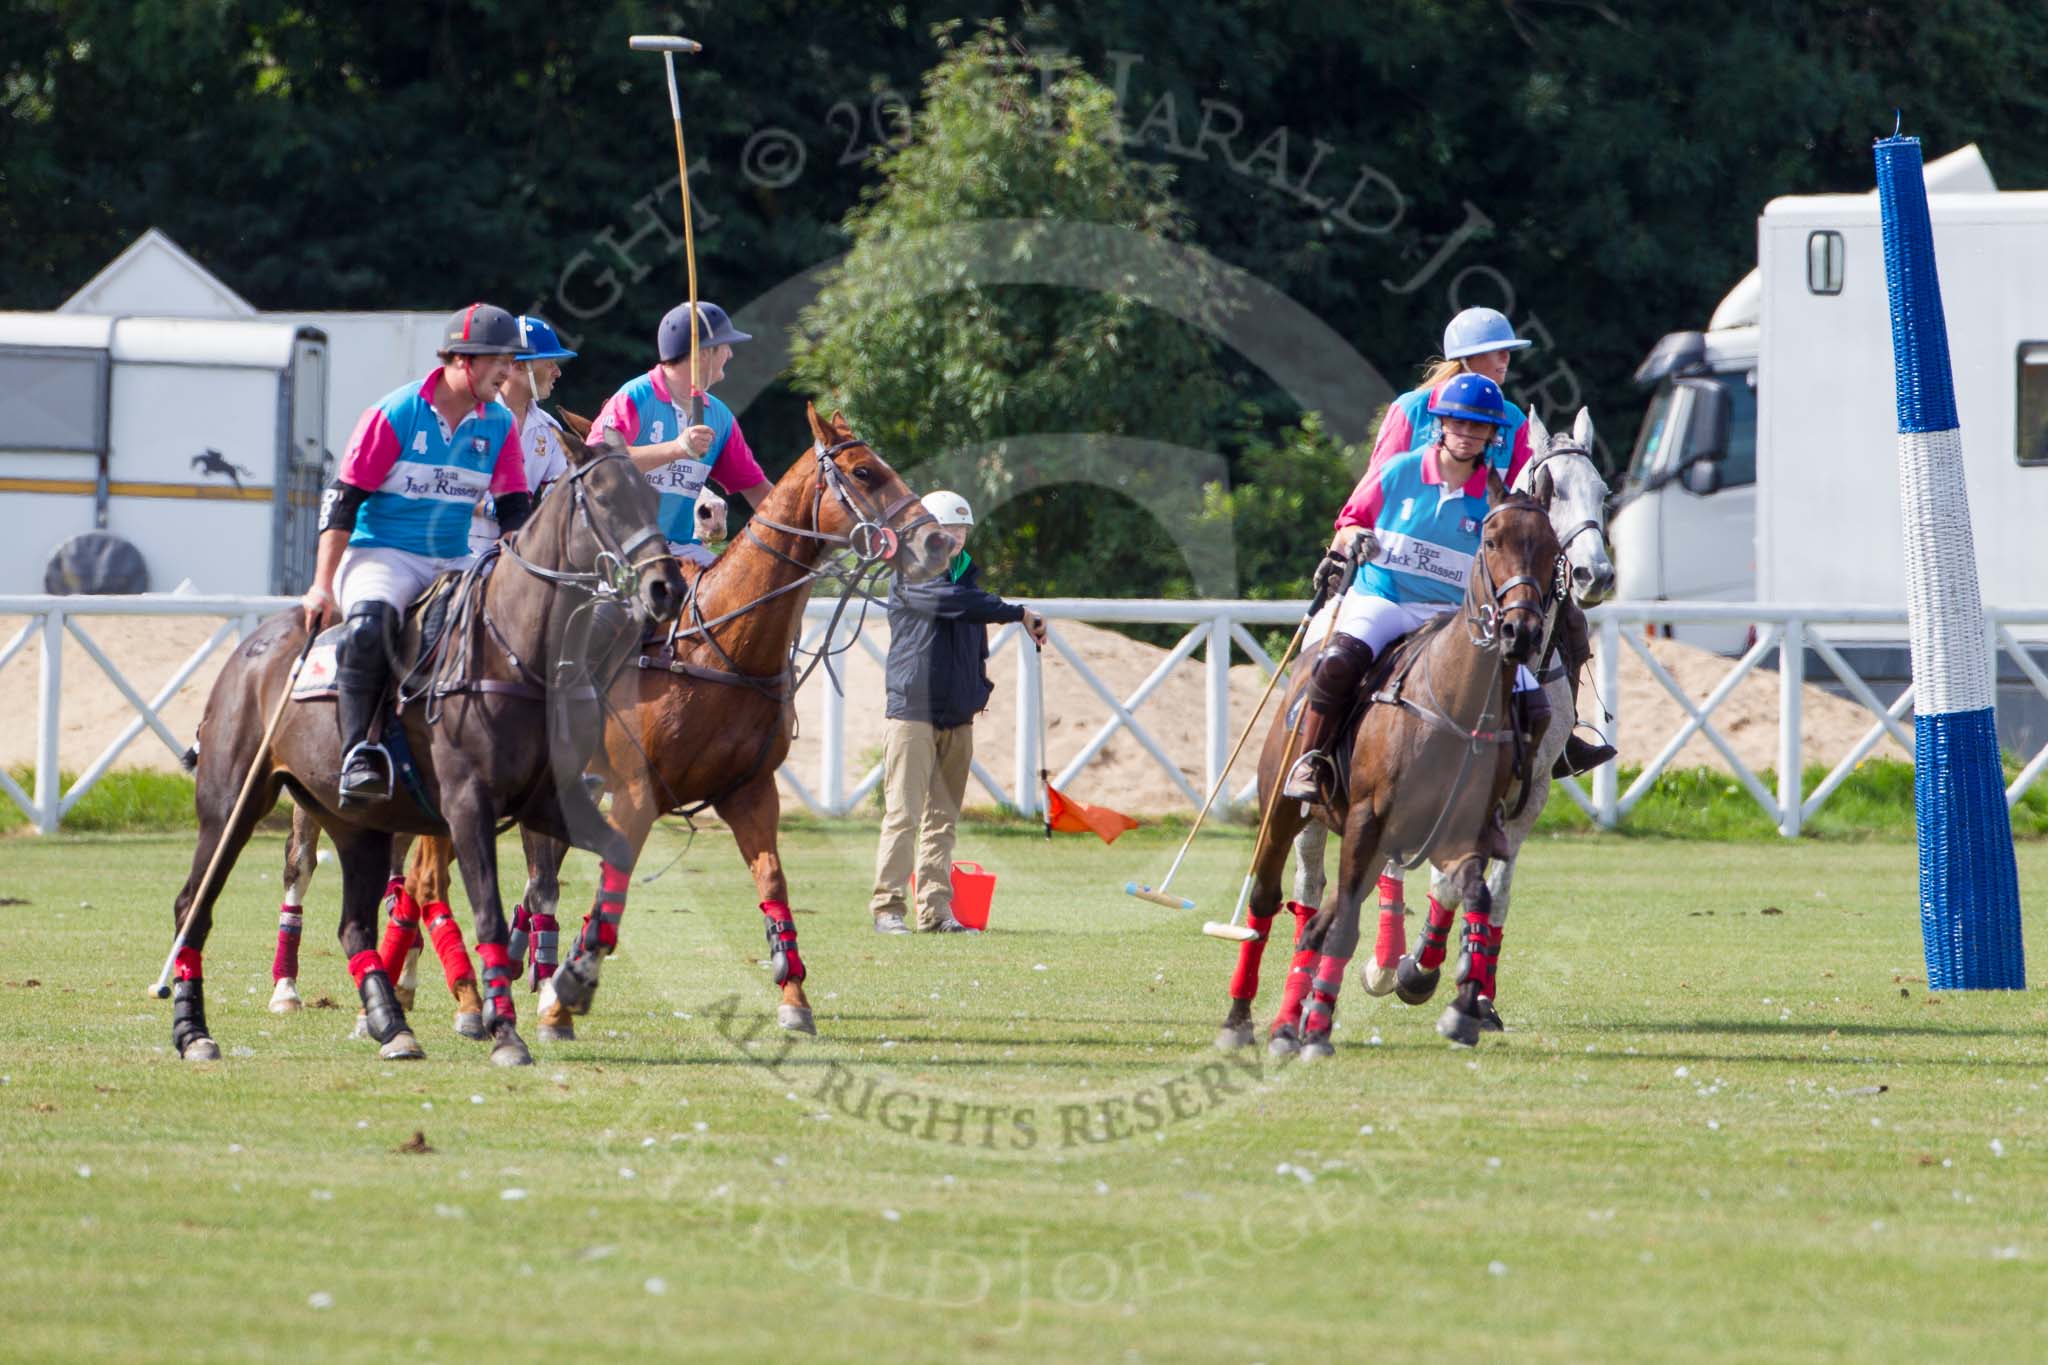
(1211, 628)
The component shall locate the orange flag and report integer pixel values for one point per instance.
(1069, 816)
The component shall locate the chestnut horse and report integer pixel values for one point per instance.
(1426, 773)
(493, 740)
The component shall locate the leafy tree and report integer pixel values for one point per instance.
(950, 333)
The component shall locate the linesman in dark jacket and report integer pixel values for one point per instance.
(938, 682)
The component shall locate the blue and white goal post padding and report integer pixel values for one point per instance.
(1969, 883)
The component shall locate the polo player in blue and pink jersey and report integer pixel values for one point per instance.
(399, 511)
(652, 415)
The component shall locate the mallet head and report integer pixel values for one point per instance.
(1235, 933)
(663, 42)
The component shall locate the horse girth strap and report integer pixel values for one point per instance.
(774, 686)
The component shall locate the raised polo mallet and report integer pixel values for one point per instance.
(162, 989)
(668, 46)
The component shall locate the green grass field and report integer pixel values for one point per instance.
(1714, 1131)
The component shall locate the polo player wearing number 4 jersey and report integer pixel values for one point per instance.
(398, 513)
(652, 414)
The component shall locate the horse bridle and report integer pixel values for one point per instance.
(1484, 618)
(1535, 466)
(875, 538)
(616, 564)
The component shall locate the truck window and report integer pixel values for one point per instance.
(1739, 467)
(53, 399)
(1650, 452)
(2031, 431)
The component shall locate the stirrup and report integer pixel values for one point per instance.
(361, 780)
(1305, 778)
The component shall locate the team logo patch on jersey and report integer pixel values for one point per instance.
(1469, 526)
(476, 443)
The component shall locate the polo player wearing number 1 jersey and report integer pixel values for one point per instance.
(652, 415)
(399, 511)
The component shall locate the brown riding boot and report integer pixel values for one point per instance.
(1339, 669)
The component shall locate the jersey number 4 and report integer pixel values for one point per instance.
(419, 442)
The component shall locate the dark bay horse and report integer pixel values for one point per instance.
(1424, 778)
(708, 720)
(506, 740)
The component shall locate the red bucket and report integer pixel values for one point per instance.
(973, 889)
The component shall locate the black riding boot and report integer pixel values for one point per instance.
(1575, 649)
(1340, 668)
(359, 689)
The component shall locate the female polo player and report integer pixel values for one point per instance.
(1422, 511)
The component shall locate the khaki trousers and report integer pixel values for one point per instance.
(924, 779)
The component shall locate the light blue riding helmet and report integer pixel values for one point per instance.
(538, 337)
(1479, 330)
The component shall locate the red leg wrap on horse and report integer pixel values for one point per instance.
(497, 960)
(1302, 915)
(1475, 943)
(1489, 985)
(1391, 891)
(401, 932)
(545, 936)
(1244, 982)
(1296, 989)
(610, 905)
(290, 921)
(1326, 980)
(362, 964)
(782, 942)
(447, 935)
(187, 964)
(1393, 937)
(1436, 937)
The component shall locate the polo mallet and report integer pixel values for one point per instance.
(1044, 761)
(162, 989)
(668, 46)
(1158, 894)
(1243, 933)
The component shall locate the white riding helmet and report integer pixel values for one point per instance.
(949, 509)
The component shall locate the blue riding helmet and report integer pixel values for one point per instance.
(714, 328)
(1479, 330)
(537, 337)
(1473, 397)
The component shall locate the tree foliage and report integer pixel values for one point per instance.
(1595, 168)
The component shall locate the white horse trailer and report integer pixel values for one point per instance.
(200, 441)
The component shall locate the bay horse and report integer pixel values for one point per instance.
(504, 741)
(705, 717)
(1428, 765)
(1561, 475)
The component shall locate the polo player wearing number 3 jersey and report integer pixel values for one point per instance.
(399, 511)
(652, 415)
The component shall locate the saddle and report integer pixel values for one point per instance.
(423, 633)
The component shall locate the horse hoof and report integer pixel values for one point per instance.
(557, 1033)
(1231, 1037)
(200, 1049)
(470, 1024)
(573, 984)
(361, 1030)
(1316, 1048)
(1489, 1017)
(796, 1019)
(510, 1049)
(284, 997)
(1412, 984)
(1461, 1028)
(1283, 1043)
(556, 1024)
(1378, 980)
(403, 1047)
